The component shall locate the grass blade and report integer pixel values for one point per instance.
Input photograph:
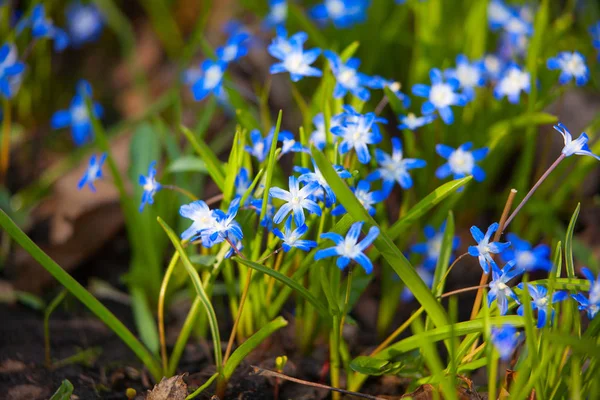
(421, 208)
(82, 295)
(213, 164)
(569, 264)
(319, 306)
(210, 311)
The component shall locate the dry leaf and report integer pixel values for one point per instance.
(173, 388)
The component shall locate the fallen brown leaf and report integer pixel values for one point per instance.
(173, 388)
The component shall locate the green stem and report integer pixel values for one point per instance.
(47, 312)
(161, 311)
(334, 356)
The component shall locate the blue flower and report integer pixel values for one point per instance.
(348, 79)
(200, 214)
(512, 83)
(433, 246)
(506, 340)
(211, 80)
(293, 58)
(278, 10)
(11, 71)
(572, 66)
(77, 115)
(541, 302)
(242, 182)
(365, 196)
(343, 13)
(484, 249)
(394, 169)
(527, 258)
(239, 246)
(440, 96)
(426, 275)
(291, 238)
(469, 75)
(224, 227)
(318, 138)
(289, 143)
(412, 122)
(93, 172)
(591, 304)
(461, 161)
(212, 227)
(499, 289)
(296, 200)
(84, 23)
(357, 131)
(493, 67)
(150, 186)
(260, 146)
(349, 248)
(234, 49)
(578, 146)
(43, 27)
(324, 192)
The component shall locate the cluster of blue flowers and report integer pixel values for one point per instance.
(289, 211)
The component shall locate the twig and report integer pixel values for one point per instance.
(463, 290)
(265, 372)
(178, 189)
(214, 199)
(533, 189)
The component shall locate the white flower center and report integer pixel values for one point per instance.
(467, 75)
(85, 23)
(294, 62)
(79, 114)
(212, 77)
(542, 302)
(434, 246)
(515, 81)
(150, 185)
(279, 11)
(525, 259)
(492, 64)
(461, 162)
(574, 65)
(335, 8)
(441, 95)
(229, 52)
(595, 293)
(347, 77)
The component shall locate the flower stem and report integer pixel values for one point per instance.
(347, 299)
(484, 276)
(240, 307)
(334, 356)
(5, 152)
(161, 311)
(530, 193)
(181, 190)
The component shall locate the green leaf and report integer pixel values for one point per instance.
(395, 103)
(374, 366)
(569, 264)
(446, 332)
(213, 164)
(319, 306)
(187, 164)
(383, 243)
(64, 392)
(297, 14)
(204, 260)
(421, 208)
(210, 311)
(250, 344)
(502, 129)
(203, 387)
(82, 295)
